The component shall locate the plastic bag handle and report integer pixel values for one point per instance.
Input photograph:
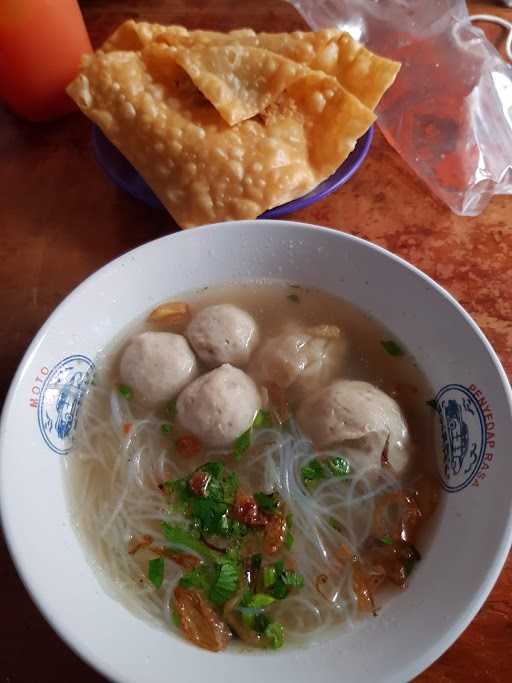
(501, 22)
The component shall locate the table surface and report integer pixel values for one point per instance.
(61, 219)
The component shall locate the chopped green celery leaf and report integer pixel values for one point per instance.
(238, 529)
(171, 409)
(279, 566)
(262, 420)
(259, 601)
(232, 555)
(200, 577)
(279, 590)
(216, 469)
(184, 540)
(225, 584)
(175, 618)
(166, 428)
(312, 472)
(269, 576)
(246, 598)
(211, 514)
(242, 444)
(214, 489)
(292, 579)
(387, 540)
(156, 569)
(256, 562)
(125, 391)
(275, 634)
(432, 403)
(294, 298)
(267, 501)
(260, 622)
(392, 348)
(339, 467)
(229, 487)
(248, 617)
(180, 489)
(288, 539)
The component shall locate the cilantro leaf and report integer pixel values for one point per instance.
(267, 501)
(392, 348)
(216, 469)
(274, 632)
(125, 391)
(288, 539)
(260, 622)
(312, 472)
(211, 515)
(269, 576)
(339, 467)
(229, 487)
(226, 583)
(156, 570)
(387, 540)
(166, 428)
(279, 589)
(292, 579)
(184, 540)
(262, 420)
(200, 577)
(260, 601)
(242, 444)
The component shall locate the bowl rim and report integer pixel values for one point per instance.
(492, 572)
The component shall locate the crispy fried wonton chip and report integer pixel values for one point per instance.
(364, 74)
(203, 169)
(239, 81)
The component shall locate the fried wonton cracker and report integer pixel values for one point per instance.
(202, 169)
(363, 73)
(239, 81)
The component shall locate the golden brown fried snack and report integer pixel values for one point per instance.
(363, 73)
(202, 169)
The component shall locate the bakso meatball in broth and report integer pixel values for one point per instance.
(301, 360)
(223, 333)
(357, 412)
(158, 365)
(219, 406)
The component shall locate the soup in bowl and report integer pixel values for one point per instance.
(266, 448)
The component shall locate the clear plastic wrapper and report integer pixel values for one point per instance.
(449, 113)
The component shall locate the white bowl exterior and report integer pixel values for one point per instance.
(465, 554)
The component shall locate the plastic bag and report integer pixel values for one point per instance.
(449, 113)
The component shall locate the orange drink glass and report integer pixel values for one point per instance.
(41, 42)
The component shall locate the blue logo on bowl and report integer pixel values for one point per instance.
(61, 393)
(463, 434)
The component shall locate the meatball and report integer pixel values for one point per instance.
(219, 406)
(301, 360)
(223, 334)
(158, 365)
(358, 412)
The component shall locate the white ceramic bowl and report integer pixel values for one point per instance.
(466, 552)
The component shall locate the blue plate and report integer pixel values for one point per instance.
(123, 174)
